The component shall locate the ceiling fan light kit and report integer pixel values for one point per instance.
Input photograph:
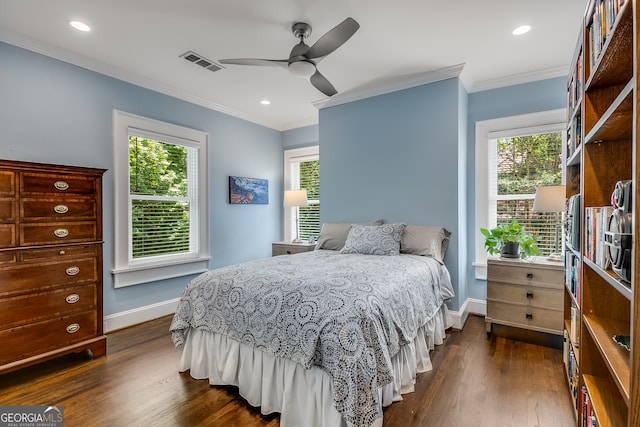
(301, 59)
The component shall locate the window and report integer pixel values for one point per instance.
(161, 222)
(515, 155)
(518, 165)
(302, 171)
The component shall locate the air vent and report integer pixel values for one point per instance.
(201, 61)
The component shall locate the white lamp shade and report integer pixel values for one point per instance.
(549, 199)
(295, 198)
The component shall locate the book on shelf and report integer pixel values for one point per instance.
(601, 23)
(572, 274)
(596, 220)
(588, 414)
(573, 374)
(574, 332)
(572, 222)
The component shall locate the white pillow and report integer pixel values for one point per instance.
(374, 239)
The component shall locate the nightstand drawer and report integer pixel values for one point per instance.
(525, 275)
(291, 248)
(526, 295)
(535, 318)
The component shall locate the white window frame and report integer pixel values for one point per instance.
(126, 271)
(487, 130)
(292, 182)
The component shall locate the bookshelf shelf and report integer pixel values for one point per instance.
(612, 279)
(598, 303)
(615, 62)
(575, 157)
(615, 122)
(602, 392)
(616, 358)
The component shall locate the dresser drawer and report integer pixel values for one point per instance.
(8, 257)
(19, 310)
(57, 233)
(60, 253)
(36, 338)
(525, 275)
(526, 295)
(8, 236)
(7, 183)
(7, 210)
(61, 209)
(26, 277)
(42, 183)
(527, 317)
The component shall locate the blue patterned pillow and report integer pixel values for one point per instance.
(374, 239)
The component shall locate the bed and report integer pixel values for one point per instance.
(325, 338)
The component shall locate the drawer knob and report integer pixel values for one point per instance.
(61, 232)
(289, 252)
(62, 252)
(529, 275)
(73, 328)
(529, 294)
(72, 298)
(529, 316)
(72, 271)
(61, 209)
(61, 185)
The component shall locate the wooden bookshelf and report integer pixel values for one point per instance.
(606, 106)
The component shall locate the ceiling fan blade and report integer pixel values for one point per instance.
(251, 61)
(333, 39)
(321, 83)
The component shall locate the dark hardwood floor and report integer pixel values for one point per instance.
(475, 382)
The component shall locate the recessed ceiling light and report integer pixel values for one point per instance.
(265, 102)
(80, 26)
(521, 30)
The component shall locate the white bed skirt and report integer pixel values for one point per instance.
(302, 396)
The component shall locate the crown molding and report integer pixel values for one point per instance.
(521, 78)
(126, 76)
(390, 84)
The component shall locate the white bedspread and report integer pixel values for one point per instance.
(346, 314)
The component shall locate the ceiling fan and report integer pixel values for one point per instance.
(302, 59)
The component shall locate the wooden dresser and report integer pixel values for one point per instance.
(50, 262)
(525, 294)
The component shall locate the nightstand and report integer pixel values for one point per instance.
(525, 294)
(288, 248)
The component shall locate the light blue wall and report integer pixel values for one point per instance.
(300, 137)
(54, 112)
(526, 98)
(403, 156)
(395, 157)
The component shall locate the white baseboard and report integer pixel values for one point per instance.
(469, 306)
(132, 317)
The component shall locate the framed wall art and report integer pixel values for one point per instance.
(248, 191)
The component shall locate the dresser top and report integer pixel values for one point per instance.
(535, 261)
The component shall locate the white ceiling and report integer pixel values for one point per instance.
(141, 41)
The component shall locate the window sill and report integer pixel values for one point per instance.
(136, 275)
(480, 269)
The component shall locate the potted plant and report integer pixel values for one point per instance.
(510, 241)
